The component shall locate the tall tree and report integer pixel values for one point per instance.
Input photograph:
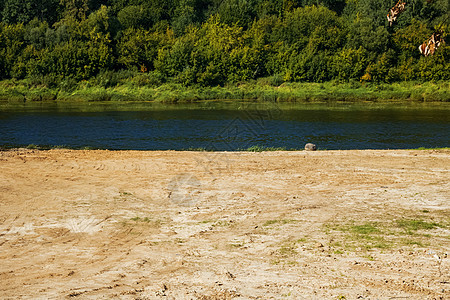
(23, 11)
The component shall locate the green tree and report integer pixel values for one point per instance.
(302, 23)
(407, 39)
(139, 48)
(14, 11)
(134, 16)
(363, 33)
(305, 40)
(35, 33)
(77, 9)
(373, 10)
(435, 67)
(334, 5)
(185, 15)
(265, 8)
(349, 64)
(383, 70)
(174, 60)
(211, 42)
(12, 43)
(238, 12)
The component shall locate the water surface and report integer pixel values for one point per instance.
(228, 126)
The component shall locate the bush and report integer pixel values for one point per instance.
(151, 79)
(42, 94)
(108, 78)
(349, 64)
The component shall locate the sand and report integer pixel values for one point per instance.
(215, 225)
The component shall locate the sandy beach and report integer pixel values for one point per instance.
(372, 224)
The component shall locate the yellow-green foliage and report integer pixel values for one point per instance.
(208, 43)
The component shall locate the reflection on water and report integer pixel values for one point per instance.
(226, 125)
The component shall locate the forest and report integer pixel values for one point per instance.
(207, 43)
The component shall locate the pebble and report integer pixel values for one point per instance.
(310, 147)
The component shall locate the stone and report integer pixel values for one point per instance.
(318, 245)
(310, 147)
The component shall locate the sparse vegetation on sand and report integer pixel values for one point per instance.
(387, 234)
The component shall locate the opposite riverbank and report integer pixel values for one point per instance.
(219, 225)
(262, 90)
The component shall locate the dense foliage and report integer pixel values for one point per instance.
(213, 42)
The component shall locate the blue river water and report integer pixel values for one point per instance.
(226, 127)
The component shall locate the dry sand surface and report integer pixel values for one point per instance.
(216, 225)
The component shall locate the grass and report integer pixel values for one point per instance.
(414, 242)
(438, 148)
(364, 229)
(143, 221)
(389, 234)
(263, 148)
(410, 226)
(287, 252)
(200, 149)
(218, 223)
(48, 147)
(255, 148)
(281, 222)
(237, 244)
(258, 148)
(21, 91)
(139, 219)
(193, 149)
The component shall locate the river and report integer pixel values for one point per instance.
(225, 126)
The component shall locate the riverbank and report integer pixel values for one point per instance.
(261, 90)
(219, 225)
